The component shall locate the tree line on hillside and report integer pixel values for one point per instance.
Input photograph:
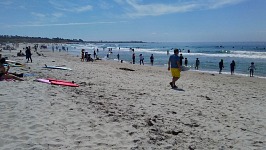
(27, 39)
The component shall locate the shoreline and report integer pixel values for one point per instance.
(243, 64)
(118, 109)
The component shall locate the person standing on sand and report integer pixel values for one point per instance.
(118, 56)
(232, 67)
(221, 66)
(94, 54)
(82, 54)
(175, 67)
(197, 64)
(181, 59)
(251, 69)
(141, 59)
(152, 59)
(186, 61)
(133, 58)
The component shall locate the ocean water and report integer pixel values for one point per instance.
(209, 54)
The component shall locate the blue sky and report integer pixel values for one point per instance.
(145, 20)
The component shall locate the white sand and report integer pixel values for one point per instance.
(118, 109)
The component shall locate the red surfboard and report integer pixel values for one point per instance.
(55, 82)
(51, 79)
(62, 82)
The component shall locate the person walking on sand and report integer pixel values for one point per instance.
(197, 64)
(221, 66)
(232, 67)
(251, 69)
(152, 59)
(175, 67)
(28, 54)
(141, 59)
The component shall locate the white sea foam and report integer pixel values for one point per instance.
(254, 55)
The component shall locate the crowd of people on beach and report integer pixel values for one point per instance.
(181, 57)
(175, 63)
(85, 56)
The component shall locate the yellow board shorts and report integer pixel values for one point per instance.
(175, 72)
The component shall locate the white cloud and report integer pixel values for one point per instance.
(39, 15)
(221, 3)
(57, 15)
(66, 24)
(137, 9)
(70, 7)
(104, 5)
(83, 8)
(41, 18)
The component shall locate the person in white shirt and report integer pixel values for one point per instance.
(251, 69)
(141, 59)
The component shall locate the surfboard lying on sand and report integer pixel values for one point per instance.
(58, 82)
(10, 61)
(56, 67)
(14, 65)
(43, 81)
(64, 83)
(51, 79)
(185, 68)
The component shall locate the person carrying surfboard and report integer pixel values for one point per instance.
(175, 67)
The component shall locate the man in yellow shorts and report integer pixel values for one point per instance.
(175, 67)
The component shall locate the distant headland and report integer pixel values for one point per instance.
(27, 39)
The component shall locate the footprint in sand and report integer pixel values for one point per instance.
(99, 136)
(36, 126)
(83, 138)
(118, 135)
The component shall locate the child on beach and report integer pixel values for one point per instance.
(82, 55)
(4, 73)
(251, 69)
(186, 61)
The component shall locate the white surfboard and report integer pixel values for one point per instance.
(56, 67)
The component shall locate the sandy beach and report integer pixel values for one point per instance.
(115, 108)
